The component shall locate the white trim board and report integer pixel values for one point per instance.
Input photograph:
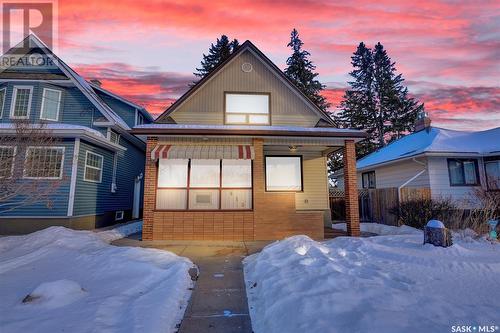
(74, 174)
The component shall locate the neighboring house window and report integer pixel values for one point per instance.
(202, 184)
(2, 101)
(93, 167)
(7, 161)
(44, 163)
(21, 103)
(113, 137)
(368, 179)
(463, 172)
(283, 173)
(492, 171)
(247, 109)
(140, 118)
(51, 102)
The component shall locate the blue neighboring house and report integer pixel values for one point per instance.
(99, 165)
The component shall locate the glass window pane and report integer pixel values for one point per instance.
(2, 100)
(21, 104)
(247, 103)
(205, 173)
(493, 174)
(470, 172)
(456, 172)
(236, 118)
(50, 106)
(43, 162)
(204, 199)
(258, 119)
(6, 161)
(283, 174)
(172, 173)
(171, 199)
(236, 199)
(236, 173)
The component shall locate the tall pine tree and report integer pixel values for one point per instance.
(300, 71)
(217, 53)
(377, 101)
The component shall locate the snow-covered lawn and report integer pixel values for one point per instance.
(389, 283)
(77, 282)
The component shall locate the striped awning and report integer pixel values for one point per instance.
(233, 152)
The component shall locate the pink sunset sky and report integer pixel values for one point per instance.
(448, 51)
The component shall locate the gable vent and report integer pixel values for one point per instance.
(246, 67)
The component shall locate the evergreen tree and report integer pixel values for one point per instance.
(300, 71)
(377, 101)
(217, 53)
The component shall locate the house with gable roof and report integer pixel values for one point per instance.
(243, 155)
(99, 165)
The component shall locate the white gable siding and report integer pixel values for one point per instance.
(206, 106)
(440, 181)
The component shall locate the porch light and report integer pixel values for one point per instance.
(293, 149)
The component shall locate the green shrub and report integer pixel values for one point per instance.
(416, 213)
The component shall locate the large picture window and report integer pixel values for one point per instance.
(283, 173)
(247, 109)
(44, 163)
(463, 172)
(204, 184)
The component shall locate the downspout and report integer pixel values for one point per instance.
(412, 178)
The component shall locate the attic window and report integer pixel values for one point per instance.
(247, 109)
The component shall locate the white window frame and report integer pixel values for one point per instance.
(247, 115)
(44, 147)
(14, 98)
(13, 160)
(92, 167)
(115, 167)
(301, 164)
(120, 213)
(58, 104)
(3, 102)
(108, 136)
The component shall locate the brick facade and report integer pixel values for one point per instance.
(274, 215)
(351, 189)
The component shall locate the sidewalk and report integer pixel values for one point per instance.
(219, 301)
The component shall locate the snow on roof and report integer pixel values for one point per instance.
(55, 127)
(436, 140)
(249, 127)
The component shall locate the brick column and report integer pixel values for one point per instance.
(259, 195)
(149, 190)
(351, 189)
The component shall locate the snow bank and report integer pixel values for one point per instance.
(375, 284)
(79, 283)
(381, 229)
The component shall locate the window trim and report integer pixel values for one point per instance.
(13, 160)
(119, 212)
(4, 89)
(269, 122)
(87, 152)
(108, 136)
(219, 189)
(485, 161)
(138, 115)
(301, 174)
(42, 108)
(45, 147)
(14, 99)
(476, 168)
(363, 179)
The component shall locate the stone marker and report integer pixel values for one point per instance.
(436, 234)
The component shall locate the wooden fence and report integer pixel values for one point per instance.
(375, 204)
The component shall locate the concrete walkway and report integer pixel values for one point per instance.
(219, 301)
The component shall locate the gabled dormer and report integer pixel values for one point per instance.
(246, 89)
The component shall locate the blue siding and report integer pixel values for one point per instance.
(97, 198)
(57, 203)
